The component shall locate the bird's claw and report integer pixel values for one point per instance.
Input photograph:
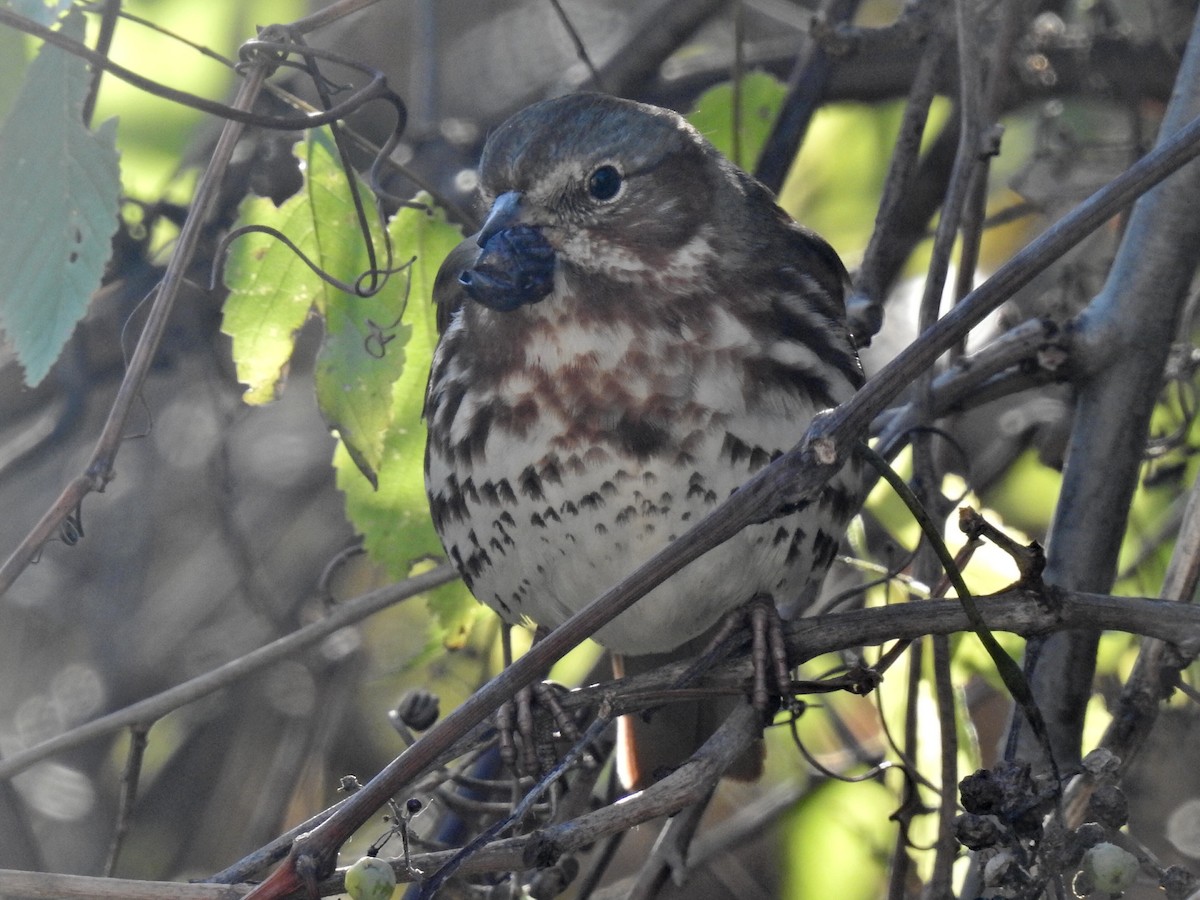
(522, 749)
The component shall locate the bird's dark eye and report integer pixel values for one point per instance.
(604, 183)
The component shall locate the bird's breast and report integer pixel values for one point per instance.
(550, 480)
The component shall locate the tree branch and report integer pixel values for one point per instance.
(806, 88)
(1159, 662)
(864, 306)
(966, 380)
(153, 708)
(1125, 335)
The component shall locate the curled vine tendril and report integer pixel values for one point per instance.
(379, 336)
(70, 532)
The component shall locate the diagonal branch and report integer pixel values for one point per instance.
(153, 708)
(1024, 612)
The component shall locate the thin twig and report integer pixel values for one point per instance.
(154, 708)
(518, 812)
(964, 172)
(669, 24)
(580, 48)
(1039, 341)
(452, 205)
(251, 864)
(670, 852)
(374, 283)
(806, 88)
(129, 789)
(966, 161)
(940, 880)
(1028, 558)
(108, 27)
(1010, 673)
(736, 75)
(52, 886)
(899, 862)
(330, 14)
(970, 231)
(375, 89)
(864, 307)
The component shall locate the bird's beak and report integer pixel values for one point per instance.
(514, 265)
(505, 213)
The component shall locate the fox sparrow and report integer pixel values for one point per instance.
(636, 329)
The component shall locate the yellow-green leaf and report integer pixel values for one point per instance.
(271, 291)
(394, 519)
(363, 352)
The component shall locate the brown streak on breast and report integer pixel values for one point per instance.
(519, 417)
(581, 404)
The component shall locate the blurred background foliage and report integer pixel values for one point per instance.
(223, 526)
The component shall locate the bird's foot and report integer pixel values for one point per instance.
(768, 651)
(526, 739)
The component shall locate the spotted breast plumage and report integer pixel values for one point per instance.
(636, 330)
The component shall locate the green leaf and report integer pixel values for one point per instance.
(762, 96)
(394, 519)
(271, 291)
(363, 353)
(59, 189)
(374, 361)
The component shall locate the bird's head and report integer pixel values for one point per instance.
(592, 186)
